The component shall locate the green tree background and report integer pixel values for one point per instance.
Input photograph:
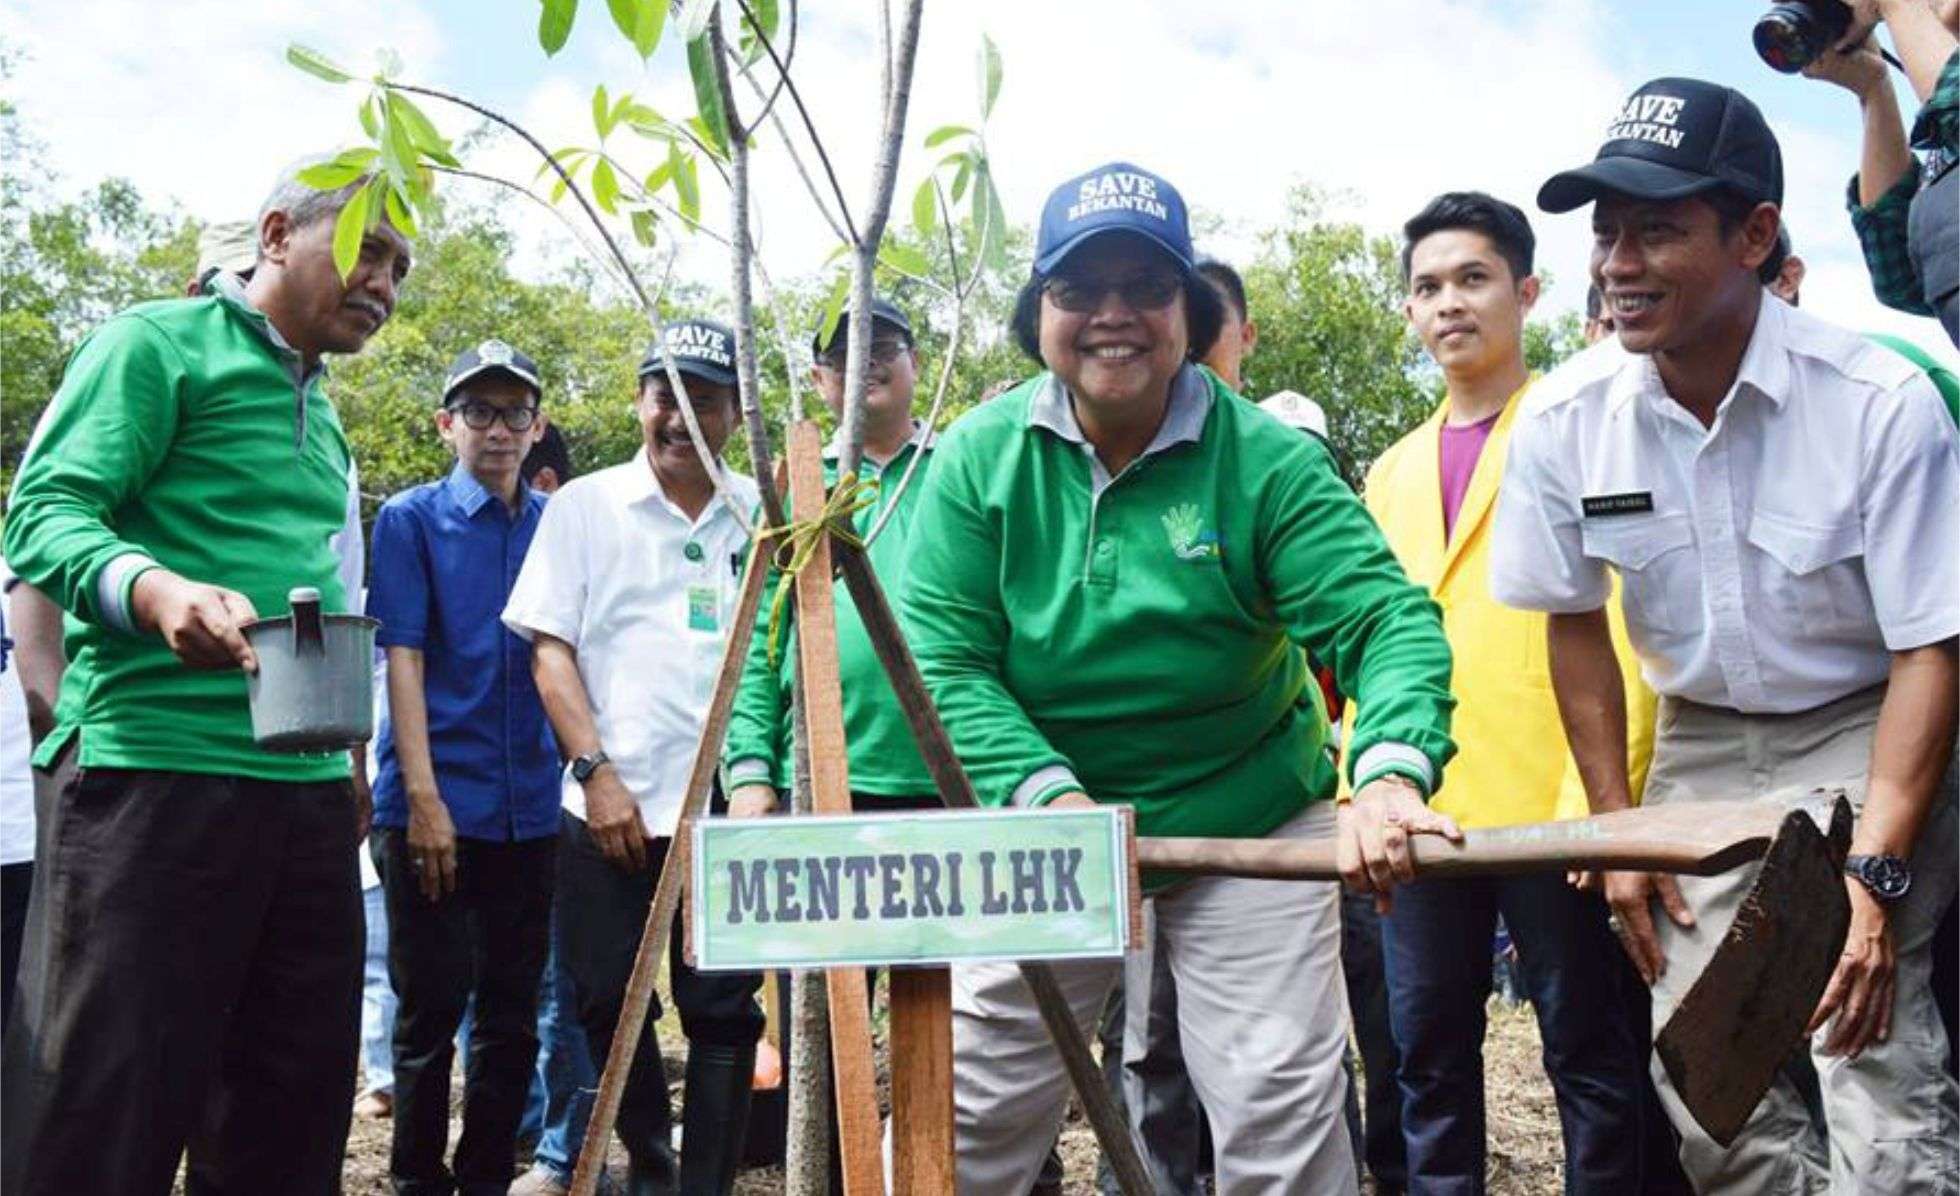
(1325, 293)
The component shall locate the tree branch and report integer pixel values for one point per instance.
(716, 475)
(796, 160)
(809, 126)
(782, 73)
(864, 258)
(741, 255)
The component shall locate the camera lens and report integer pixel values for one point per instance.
(1788, 37)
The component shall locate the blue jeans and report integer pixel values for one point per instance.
(1437, 954)
(567, 1081)
(377, 1000)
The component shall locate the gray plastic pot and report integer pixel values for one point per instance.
(314, 688)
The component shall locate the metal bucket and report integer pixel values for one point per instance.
(313, 691)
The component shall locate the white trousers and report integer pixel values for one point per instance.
(1263, 1017)
(1892, 1110)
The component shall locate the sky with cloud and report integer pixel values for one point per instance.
(1382, 103)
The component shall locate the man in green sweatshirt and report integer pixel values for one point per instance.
(1114, 569)
(193, 965)
(886, 770)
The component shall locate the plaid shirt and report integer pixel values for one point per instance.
(1881, 228)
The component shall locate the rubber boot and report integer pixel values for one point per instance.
(645, 1124)
(714, 1116)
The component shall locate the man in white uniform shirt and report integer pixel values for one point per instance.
(1781, 500)
(629, 585)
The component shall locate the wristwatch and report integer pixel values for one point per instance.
(1886, 876)
(584, 766)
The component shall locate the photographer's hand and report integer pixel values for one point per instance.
(1856, 68)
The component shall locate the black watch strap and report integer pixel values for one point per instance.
(584, 766)
(1886, 877)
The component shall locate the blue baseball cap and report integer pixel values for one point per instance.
(1118, 197)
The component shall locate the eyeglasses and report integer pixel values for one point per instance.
(482, 415)
(1150, 291)
(884, 351)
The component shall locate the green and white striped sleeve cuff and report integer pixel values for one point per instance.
(113, 585)
(751, 770)
(1398, 758)
(1044, 786)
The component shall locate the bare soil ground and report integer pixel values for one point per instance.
(1525, 1152)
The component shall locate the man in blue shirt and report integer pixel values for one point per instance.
(466, 799)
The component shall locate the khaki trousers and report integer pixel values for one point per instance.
(1892, 1110)
(1261, 1011)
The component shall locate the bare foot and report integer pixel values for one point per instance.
(377, 1106)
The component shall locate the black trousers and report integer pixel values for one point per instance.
(487, 940)
(1379, 1142)
(601, 913)
(191, 978)
(16, 884)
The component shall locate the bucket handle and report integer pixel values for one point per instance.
(309, 631)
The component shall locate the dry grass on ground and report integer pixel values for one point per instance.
(1525, 1155)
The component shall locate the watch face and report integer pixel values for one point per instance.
(1887, 876)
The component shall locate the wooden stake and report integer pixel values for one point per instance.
(816, 639)
(1112, 1129)
(667, 891)
(922, 1081)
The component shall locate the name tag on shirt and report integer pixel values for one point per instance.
(1605, 506)
(703, 608)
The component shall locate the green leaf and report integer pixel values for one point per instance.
(707, 93)
(962, 177)
(399, 214)
(643, 227)
(569, 158)
(833, 306)
(660, 175)
(314, 63)
(994, 247)
(371, 116)
(641, 22)
(330, 176)
(422, 132)
(694, 17)
(601, 111)
(605, 187)
(768, 16)
(687, 187)
(945, 133)
(904, 258)
(555, 24)
(925, 208)
(989, 76)
(348, 229)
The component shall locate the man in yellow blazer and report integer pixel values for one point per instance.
(1467, 260)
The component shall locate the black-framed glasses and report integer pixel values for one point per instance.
(482, 415)
(1152, 290)
(884, 351)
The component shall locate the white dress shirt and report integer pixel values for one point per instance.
(645, 595)
(1771, 562)
(16, 746)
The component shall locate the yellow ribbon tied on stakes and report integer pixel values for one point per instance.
(851, 495)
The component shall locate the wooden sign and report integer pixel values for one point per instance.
(911, 888)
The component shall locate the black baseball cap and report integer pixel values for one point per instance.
(1674, 138)
(883, 311)
(492, 356)
(702, 348)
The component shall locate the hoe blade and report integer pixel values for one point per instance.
(1749, 1006)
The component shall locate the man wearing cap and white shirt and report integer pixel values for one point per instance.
(466, 797)
(1779, 498)
(625, 596)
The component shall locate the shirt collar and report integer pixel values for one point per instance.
(640, 484)
(469, 495)
(229, 289)
(1184, 415)
(921, 438)
(1764, 369)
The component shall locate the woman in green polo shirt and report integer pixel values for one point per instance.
(1115, 566)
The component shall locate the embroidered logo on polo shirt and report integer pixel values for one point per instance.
(1605, 506)
(1189, 539)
